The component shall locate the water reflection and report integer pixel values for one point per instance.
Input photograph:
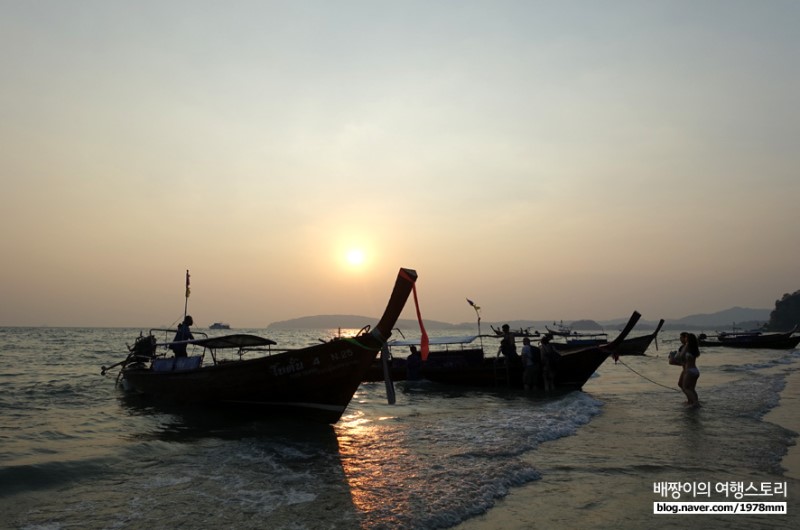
(185, 423)
(288, 471)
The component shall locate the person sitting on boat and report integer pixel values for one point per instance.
(549, 357)
(507, 345)
(532, 364)
(184, 333)
(413, 364)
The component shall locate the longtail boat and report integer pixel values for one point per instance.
(752, 339)
(315, 383)
(639, 345)
(517, 333)
(458, 361)
(580, 339)
(559, 330)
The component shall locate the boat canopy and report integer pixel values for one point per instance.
(239, 340)
(436, 341)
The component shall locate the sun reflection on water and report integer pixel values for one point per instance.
(369, 457)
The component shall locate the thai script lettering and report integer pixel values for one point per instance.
(289, 367)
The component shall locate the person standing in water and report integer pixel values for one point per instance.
(549, 358)
(532, 364)
(690, 371)
(676, 358)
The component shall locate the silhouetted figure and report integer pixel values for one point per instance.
(184, 333)
(507, 346)
(532, 363)
(549, 357)
(413, 364)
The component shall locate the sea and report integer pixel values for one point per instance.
(77, 452)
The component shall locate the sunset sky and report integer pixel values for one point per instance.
(547, 159)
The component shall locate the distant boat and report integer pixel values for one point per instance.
(577, 339)
(559, 329)
(752, 339)
(519, 333)
(219, 325)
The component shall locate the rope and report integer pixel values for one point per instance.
(647, 378)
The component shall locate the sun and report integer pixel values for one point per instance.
(355, 257)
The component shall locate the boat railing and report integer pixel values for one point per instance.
(237, 354)
(169, 334)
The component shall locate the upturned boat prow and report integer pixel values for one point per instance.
(625, 331)
(403, 285)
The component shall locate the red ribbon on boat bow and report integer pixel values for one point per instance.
(423, 343)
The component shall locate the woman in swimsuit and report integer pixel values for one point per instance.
(690, 371)
(676, 358)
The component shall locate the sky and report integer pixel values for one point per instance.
(547, 159)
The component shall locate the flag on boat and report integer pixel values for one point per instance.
(473, 304)
(188, 291)
(423, 343)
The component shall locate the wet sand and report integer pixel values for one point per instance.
(787, 415)
(568, 496)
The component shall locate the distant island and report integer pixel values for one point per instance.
(741, 317)
(354, 322)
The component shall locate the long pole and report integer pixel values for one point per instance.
(478, 313)
(186, 301)
(480, 335)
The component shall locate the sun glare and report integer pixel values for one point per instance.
(355, 257)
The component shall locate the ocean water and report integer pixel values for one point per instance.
(76, 452)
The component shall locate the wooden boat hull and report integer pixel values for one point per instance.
(470, 367)
(581, 342)
(572, 371)
(757, 342)
(753, 339)
(401, 370)
(631, 346)
(315, 383)
(638, 345)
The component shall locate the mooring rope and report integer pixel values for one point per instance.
(620, 361)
